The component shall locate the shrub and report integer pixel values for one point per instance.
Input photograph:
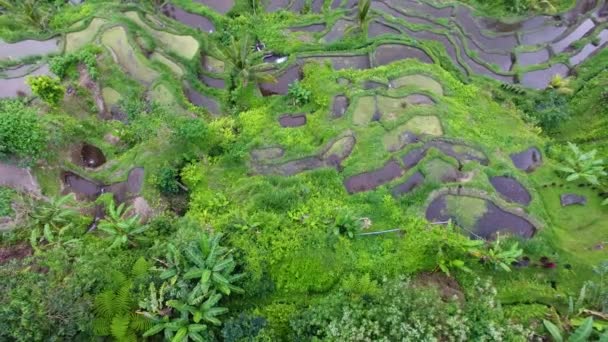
(21, 130)
(582, 165)
(6, 201)
(298, 94)
(47, 88)
(88, 56)
(167, 181)
(551, 110)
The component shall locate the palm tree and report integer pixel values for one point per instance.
(560, 84)
(247, 65)
(121, 229)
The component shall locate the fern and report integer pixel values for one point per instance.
(120, 326)
(140, 268)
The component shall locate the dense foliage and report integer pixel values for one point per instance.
(22, 131)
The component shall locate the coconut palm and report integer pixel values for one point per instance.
(363, 18)
(247, 65)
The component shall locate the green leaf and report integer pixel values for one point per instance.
(154, 330)
(553, 330)
(181, 335)
(582, 333)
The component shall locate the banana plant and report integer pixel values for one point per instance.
(178, 329)
(583, 165)
(581, 334)
(50, 220)
(501, 258)
(205, 261)
(120, 228)
(205, 311)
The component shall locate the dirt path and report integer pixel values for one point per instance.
(20, 179)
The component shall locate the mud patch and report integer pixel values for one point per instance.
(511, 189)
(528, 160)
(12, 87)
(267, 153)
(26, 48)
(421, 82)
(19, 179)
(221, 6)
(339, 106)
(86, 189)
(478, 217)
(289, 120)
(448, 287)
(373, 179)
(15, 252)
(410, 184)
(201, 100)
(281, 86)
(572, 199)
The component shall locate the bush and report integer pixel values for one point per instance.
(21, 131)
(167, 181)
(551, 110)
(47, 88)
(88, 56)
(298, 94)
(6, 201)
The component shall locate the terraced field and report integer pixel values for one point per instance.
(412, 116)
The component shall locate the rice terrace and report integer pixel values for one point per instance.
(303, 170)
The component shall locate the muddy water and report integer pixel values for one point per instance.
(340, 106)
(465, 19)
(462, 153)
(586, 27)
(221, 6)
(590, 49)
(189, 19)
(413, 157)
(290, 120)
(410, 184)
(482, 69)
(539, 79)
(86, 189)
(201, 100)
(28, 48)
(91, 156)
(511, 189)
(12, 87)
(373, 179)
(212, 82)
(532, 58)
(493, 221)
(281, 87)
(377, 28)
(544, 35)
(275, 5)
(528, 160)
(388, 53)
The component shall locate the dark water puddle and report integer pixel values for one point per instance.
(373, 179)
(590, 48)
(221, 6)
(449, 46)
(309, 28)
(460, 152)
(201, 100)
(532, 58)
(528, 160)
(572, 199)
(189, 19)
(388, 53)
(581, 31)
(377, 28)
(413, 157)
(316, 6)
(290, 120)
(12, 87)
(267, 153)
(410, 184)
(544, 35)
(404, 139)
(539, 79)
(339, 106)
(86, 189)
(212, 82)
(493, 221)
(281, 87)
(27, 48)
(496, 220)
(91, 156)
(511, 189)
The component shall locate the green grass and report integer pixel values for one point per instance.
(76, 40)
(117, 42)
